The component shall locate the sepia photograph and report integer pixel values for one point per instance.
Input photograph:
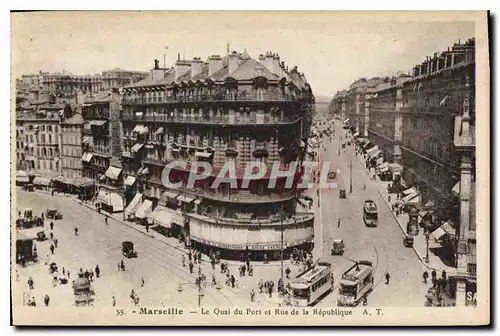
(250, 168)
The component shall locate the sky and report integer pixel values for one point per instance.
(333, 49)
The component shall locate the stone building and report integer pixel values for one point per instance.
(71, 147)
(68, 83)
(102, 147)
(117, 78)
(227, 109)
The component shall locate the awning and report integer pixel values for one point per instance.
(411, 199)
(87, 140)
(144, 130)
(137, 129)
(347, 120)
(438, 233)
(374, 154)
(144, 209)
(383, 167)
(132, 207)
(368, 143)
(170, 194)
(456, 189)
(129, 181)
(396, 167)
(97, 122)
(159, 131)
(302, 143)
(185, 198)
(87, 157)
(22, 178)
(111, 199)
(161, 216)
(203, 154)
(113, 172)
(41, 181)
(197, 201)
(356, 134)
(143, 171)
(409, 191)
(380, 161)
(372, 150)
(137, 147)
(449, 229)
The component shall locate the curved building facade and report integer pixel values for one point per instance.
(228, 109)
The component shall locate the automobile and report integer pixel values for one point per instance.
(29, 187)
(128, 249)
(53, 214)
(41, 236)
(343, 145)
(342, 193)
(408, 241)
(338, 247)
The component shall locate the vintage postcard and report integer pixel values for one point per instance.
(250, 168)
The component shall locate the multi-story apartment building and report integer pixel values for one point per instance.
(338, 103)
(231, 109)
(71, 147)
(117, 78)
(102, 147)
(38, 140)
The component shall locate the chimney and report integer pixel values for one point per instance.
(268, 61)
(262, 59)
(276, 66)
(156, 72)
(214, 64)
(181, 67)
(234, 59)
(196, 66)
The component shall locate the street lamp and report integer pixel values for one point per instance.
(350, 176)
(282, 214)
(427, 245)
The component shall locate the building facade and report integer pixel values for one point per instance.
(102, 147)
(117, 78)
(228, 109)
(67, 83)
(38, 140)
(71, 147)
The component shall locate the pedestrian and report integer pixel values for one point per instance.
(64, 271)
(52, 225)
(199, 257)
(252, 295)
(287, 272)
(19, 212)
(243, 269)
(142, 282)
(270, 291)
(31, 283)
(195, 256)
(46, 300)
(443, 275)
(222, 267)
(183, 259)
(119, 266)
(55, 242)
(87, 274)
(233, 280)
(43, 217)
(433, 274)
(52, 248)
(389, 198)
(191, 267)
(425, 276)
(387, 278)
(69, 275)
(76, 231)
(338, 223)
(214, 280)
(190, 256)
(122, 265)
(265, 259)
(51, 236)
(106, 220)
(212, 261)
(250, 270)
(97, 271)
(114, 301)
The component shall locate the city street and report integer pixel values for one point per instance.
(382, 245)
(158, 263)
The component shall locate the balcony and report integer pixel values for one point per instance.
(214, 120)
(269, 97)
(299, 218)
(240, 196)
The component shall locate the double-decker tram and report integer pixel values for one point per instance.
(355, 284)
(311, 285)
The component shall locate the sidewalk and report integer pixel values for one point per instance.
(419, 244)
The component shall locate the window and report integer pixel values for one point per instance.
(471, 269)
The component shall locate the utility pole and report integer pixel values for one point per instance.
(282, 214)
(199, 286)
(350, 176)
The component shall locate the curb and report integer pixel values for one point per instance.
(402, 229)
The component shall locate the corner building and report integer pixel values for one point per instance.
(231, 108)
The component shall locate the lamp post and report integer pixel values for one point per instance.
(282, 214)
(350, 176)
(427, 246)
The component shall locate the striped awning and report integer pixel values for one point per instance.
(113, 172)
(134, 204)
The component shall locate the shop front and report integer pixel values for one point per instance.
(258, 241)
